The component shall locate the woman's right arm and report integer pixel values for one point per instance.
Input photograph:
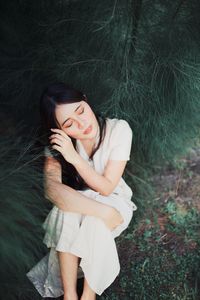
(68, 199)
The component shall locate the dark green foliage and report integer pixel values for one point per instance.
(137, 60)
(22, 211)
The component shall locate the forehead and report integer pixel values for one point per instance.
(64, 111)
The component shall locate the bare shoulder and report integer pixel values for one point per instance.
(51, 162)
(52, 169)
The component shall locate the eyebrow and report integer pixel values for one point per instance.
(69, 118)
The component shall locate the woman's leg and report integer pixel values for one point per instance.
(68, 267)
(88, 293)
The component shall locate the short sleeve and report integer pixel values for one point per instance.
(121, 141)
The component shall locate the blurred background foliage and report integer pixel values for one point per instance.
(136, 60)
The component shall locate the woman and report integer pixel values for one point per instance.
(85, 159)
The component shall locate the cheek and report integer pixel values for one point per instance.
(71, 133)
(90, 114)
(68, 132)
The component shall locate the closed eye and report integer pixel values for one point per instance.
(79, 114)
(69, 125)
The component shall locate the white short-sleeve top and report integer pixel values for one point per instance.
(115, 146)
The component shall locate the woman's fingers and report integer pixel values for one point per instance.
(58, 148)
(61, 132)
(56, 138)
(113, 218)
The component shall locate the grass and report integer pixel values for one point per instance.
(160, 251)
(160, 258)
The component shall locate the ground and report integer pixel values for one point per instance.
(159, 255)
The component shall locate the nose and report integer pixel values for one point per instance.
(81, 124)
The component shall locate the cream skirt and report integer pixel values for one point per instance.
(86, 237)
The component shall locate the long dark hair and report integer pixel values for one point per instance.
(61, 93)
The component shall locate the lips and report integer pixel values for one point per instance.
(88, 130)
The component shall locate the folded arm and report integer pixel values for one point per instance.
(105, 183)
(68, 199)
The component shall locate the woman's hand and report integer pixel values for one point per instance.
(112, 218)
(64, 145)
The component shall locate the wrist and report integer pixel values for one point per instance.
(105, 212)
(77, 160)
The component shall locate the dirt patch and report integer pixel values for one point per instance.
(182, 183)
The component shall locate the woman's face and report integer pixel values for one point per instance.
(75, 118)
